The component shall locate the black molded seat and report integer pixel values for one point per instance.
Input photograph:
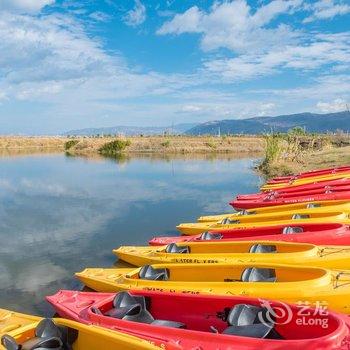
(262, 248)
(250, 321)
(51, 343)
(147, 272)
(206, 236)
(174, 248)
(254, 274)
(300, 216)
(134, 308)
(129, 307)
(246, 212)
(227, 221)
(313, 205)
(123, 299)
(290, 230)
(48, 336)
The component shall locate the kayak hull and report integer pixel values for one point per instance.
(293, 284)
(80, 306)
(329, 257)
(337, 234)
(305, 181)
(309, 206)
(300, 217)
(281, 201)
(312, 173)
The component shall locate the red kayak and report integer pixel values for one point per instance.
(320, 187)
(207, 322)
(319, 234)
(273, 200)
(319, 172)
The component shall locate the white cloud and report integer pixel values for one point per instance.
(259, 47)
(336, 105)
(326, 9)
(235, 26)
(100, 16)
(24, 6)
(318, 51)
(187, 22)
(57, 57)
(2, 96)
(266, 108)
(191, 108)
(137, 15)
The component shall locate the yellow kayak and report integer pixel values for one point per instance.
(335, 257)
(307, 180)
(278, 282)
(29, 331)
(304, 216)
(335, 205)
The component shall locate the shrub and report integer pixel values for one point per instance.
(166, 143)
(69, 144)
(114, 148)
(211, 144)
(297, 130)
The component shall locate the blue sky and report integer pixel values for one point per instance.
(77, 64)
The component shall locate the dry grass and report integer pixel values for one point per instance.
(32, 143)
(149, 144)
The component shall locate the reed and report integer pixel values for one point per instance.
(296, 151)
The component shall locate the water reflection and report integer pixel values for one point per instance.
(59, 214)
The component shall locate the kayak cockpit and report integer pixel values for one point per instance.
(45, 335)
(224, 248)
(212, 273)
(259, 319)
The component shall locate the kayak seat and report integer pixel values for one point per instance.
(254, 274)
(147, 272)
(290, 230)
(122, 312)
(175, 249)
(270, 197)
(313, 205)
(250, 321)
(227, 221)
(300, 216)
(134, 308)
(206, 236)
(47, 336)
(246, 212)
(262, 248)
(46, 343)
(125, 305)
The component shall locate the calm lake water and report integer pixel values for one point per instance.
(61, 214)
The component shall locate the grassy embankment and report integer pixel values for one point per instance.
(284, 153)
(112, 146)
(291, 153)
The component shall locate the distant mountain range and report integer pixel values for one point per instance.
(312, 122)
(132, 130)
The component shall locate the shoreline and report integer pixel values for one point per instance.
(137, 144)
(171, 147)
